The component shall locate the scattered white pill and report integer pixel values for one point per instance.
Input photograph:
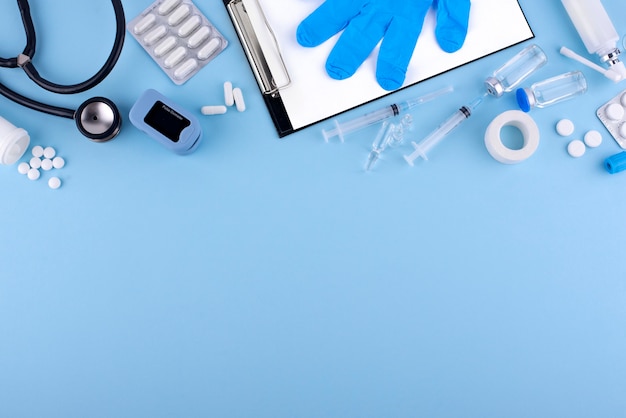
(58, 162)
(576, 148)
(593, 139)
(23, 168)
(46, 164)
(565, 127)
(37, 151)
(33, 174)
(228, 93)
(239, 102)
(54, 182)
(614, 111)
(35, 162)
(49, 152)
(213, 110)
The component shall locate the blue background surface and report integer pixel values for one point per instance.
(262, 277)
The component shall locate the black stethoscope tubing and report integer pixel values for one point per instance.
(24, 60)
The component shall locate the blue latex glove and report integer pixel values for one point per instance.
(397, 22)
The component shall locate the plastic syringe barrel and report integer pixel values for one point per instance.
(366, 120)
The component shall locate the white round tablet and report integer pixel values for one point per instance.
(614, 111)
(576, 148)
(35, 162)
(33, 174)
(37, 151)
(46, 164)
(54, 182)
(49, 152)
(565, 127)
(58, 162)
(23, 168)
(593, 139)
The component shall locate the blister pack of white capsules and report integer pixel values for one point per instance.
(178, 37)
(613, 116)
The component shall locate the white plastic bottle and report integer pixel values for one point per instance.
(596, 31)
(553, 90)
(13, 142)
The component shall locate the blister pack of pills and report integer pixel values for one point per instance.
(613, 116)
(178, 37)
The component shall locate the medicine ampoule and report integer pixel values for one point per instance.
(553, 90)
(515, 70)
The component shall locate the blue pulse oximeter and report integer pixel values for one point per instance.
(166, 122)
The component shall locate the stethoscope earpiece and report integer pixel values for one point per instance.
(98, 119)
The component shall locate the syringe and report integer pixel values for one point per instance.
(342, 129)
(442, 130)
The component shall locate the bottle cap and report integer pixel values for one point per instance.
(616, 163)
(525, 99)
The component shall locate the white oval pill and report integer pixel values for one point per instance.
(593, 139)
(165, 46)
(178, 15)
(167, 6)
(54, 183)
(46, 164)
(185, 68)
(23, 168)
(155, 35)
(58, 162)
(35, 162)
(239, 102)
(228, 93)
(175, 57)
(144, 24)
(209, 49)
(37, 151)
(189, 26)
(49, 152)
(614, 111)
(199, 36)
(565, 127)
(576, 148)
(213, 110)
(33, 174)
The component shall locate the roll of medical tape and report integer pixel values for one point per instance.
(527, 127)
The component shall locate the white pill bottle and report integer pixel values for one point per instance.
(13, 142)
(596, 30)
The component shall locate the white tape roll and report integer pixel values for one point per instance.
(519, 120)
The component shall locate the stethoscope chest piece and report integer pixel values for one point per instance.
(98, 119)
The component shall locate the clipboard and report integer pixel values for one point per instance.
(293, 82)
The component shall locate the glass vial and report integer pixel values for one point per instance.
(514, 71)
(553, 90)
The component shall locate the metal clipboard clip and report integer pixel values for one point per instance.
(260, 45)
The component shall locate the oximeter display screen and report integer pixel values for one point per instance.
(166, 120)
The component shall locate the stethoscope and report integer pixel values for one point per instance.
(97, 118)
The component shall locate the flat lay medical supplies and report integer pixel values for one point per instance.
(14, 142)
(179, 38)
(551, 91)
(612, 114)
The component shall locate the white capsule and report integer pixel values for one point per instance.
(165, 46)
(167, 6)
(54, 183)
(239, 102)
(35, 162)
(144, 24)
(179, 14)
(189, 26)
(228, 93)
(576, 148)
(175, 57)
(593, 139)
(37, 151)
(198, 37)
(213, 110)
(23, 168)
(209, 49)
(49, 152)
(155, 35)
(33, 174)
(58, 162)
(46, 164)
(185, 68)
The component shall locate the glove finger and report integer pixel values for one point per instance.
(397, 48)
(355, 44)
(452, 23)
(327, 20)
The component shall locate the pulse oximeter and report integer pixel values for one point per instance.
(165, 121)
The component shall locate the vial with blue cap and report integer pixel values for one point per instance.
(551, 91)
